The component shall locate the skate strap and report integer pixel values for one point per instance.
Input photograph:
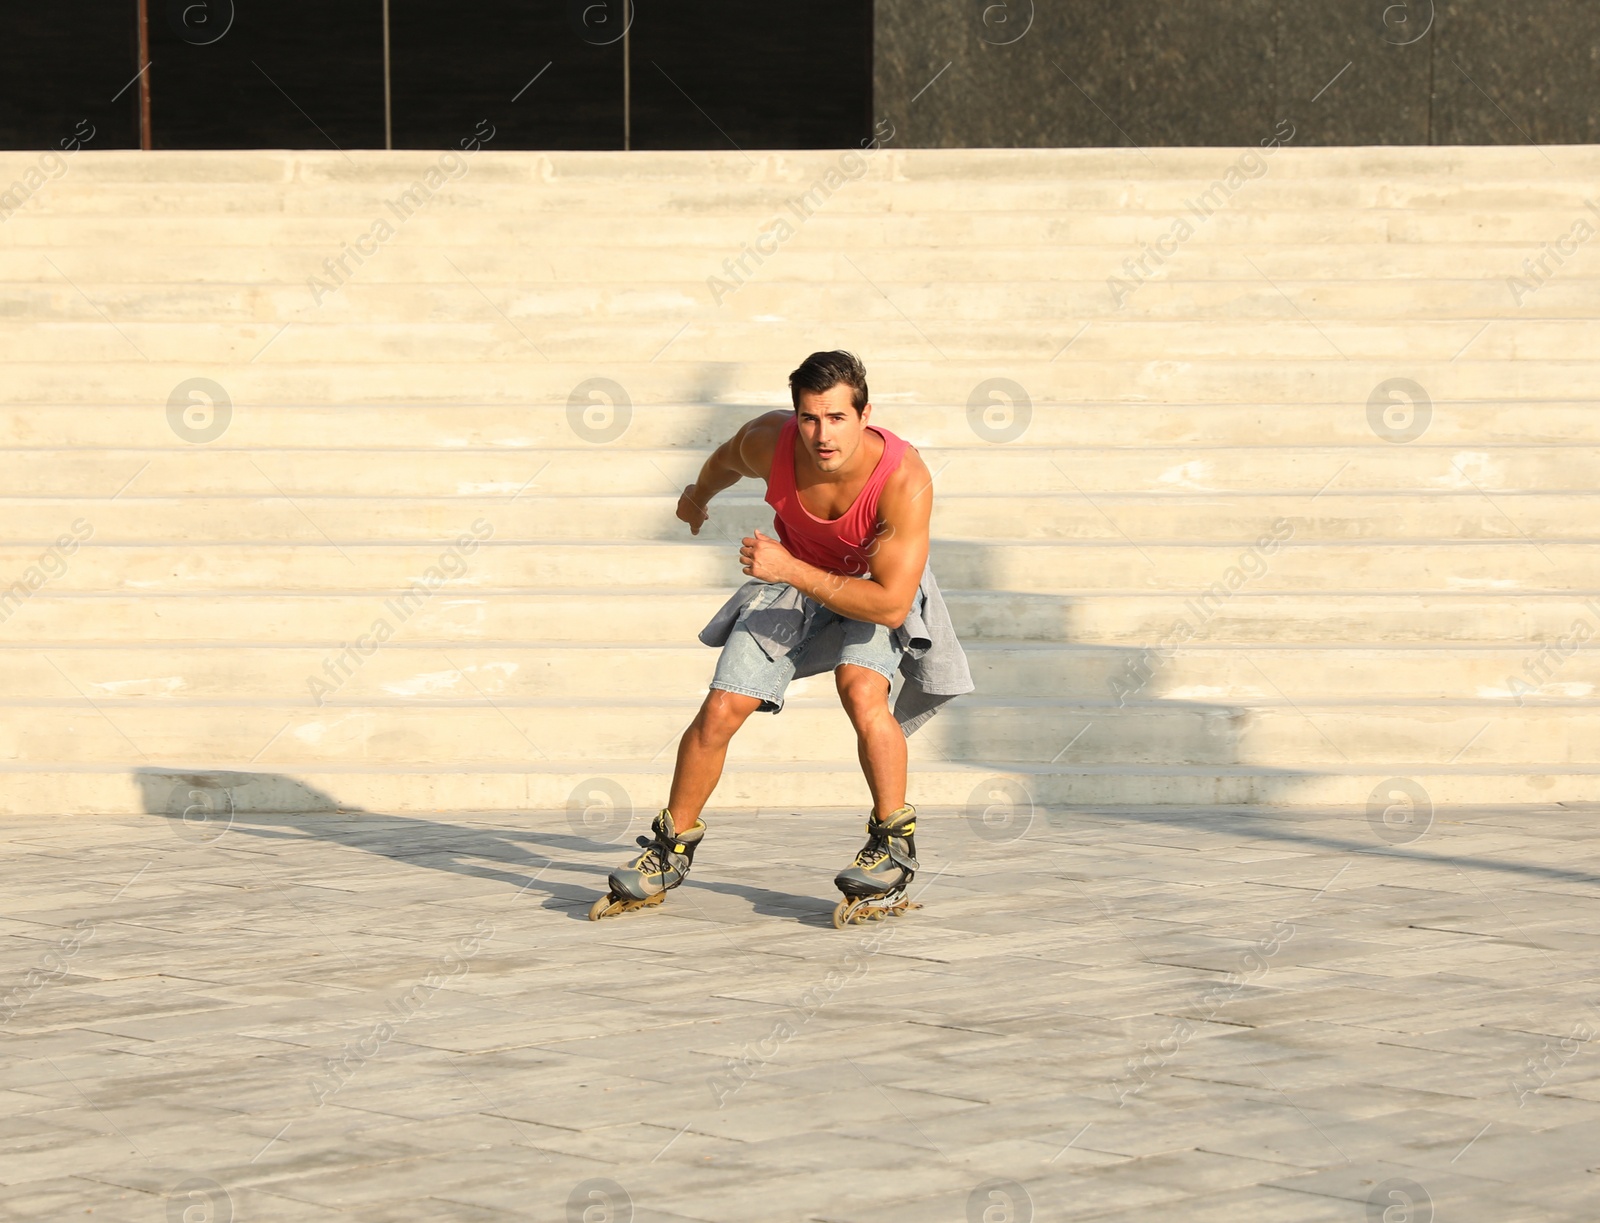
(671, 843)
(892, 840)
(877, 828)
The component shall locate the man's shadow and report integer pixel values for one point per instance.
(567, 870)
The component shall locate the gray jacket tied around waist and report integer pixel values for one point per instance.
(933, 664)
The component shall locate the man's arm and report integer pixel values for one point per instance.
(896, 555)
(748, 453)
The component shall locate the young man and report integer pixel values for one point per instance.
(845, 587)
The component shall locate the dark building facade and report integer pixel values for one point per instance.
(1224, 72)
(684, 74)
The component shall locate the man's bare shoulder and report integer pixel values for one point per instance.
(911, 478)
(907, 497)
(757, 439)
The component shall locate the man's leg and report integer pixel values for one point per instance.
(880, 743)
(703, 748)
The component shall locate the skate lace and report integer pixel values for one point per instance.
(875, 850)
(657, 856)
(653, 861)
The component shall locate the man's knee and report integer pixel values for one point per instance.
(862, 691)
(725, 712)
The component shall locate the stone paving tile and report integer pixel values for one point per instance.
(464, 1174)
(1570, 1200)
(546, 1196)
(732, 1056)
(1255, 1204)
(1052, 1194)
(64, 1197)
(630, 1143)
(410, 1210)
(1412, 1193)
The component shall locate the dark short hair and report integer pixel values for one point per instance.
(822, 371)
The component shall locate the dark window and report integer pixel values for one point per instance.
(711, 74)
(548, 74)
(455, 64)
(65, 63)
(297, 74)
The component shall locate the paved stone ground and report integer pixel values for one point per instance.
(1213, 1015)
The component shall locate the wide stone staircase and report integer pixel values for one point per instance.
(319, 494)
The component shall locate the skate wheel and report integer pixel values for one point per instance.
(871, 908)
(609, 905)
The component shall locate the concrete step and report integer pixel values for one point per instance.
(521, 468)
(811, 730)
(675, 614)
(1059, 568)
(1144, 518)
(130, 676)
(554, 792)
(561, 317)
(577, 431)
(673, 380)
(826, 227)
(878, 329)
(1446, 167)
(603, 267)
(873, 187)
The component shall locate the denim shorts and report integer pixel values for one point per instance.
(833, 641)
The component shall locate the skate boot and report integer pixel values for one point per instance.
(874, 885)
(662, 867)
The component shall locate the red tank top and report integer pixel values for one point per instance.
(839, 545)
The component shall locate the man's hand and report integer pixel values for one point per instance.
(692, 510)
(765, 558)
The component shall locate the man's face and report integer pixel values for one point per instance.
(829, 426)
